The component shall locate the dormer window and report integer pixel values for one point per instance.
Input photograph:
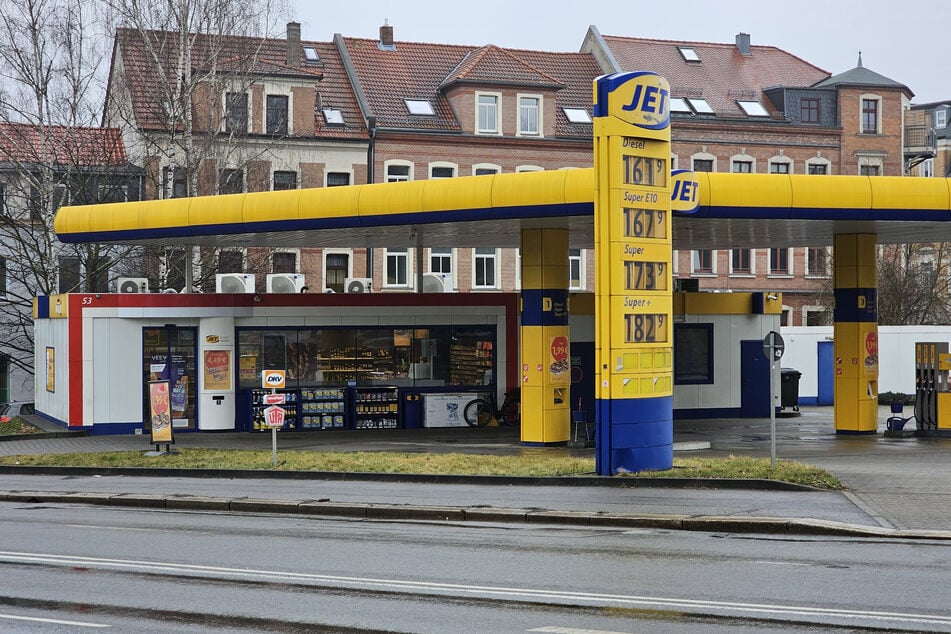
(689, 53)
(699, 105)
(310, 54)
(333, 116)
(577, 115)
(679, 105)
(753, 108)
(941, 118)
(421, 107)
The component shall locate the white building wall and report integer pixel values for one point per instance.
(51, 333)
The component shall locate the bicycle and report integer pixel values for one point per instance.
(482, 410)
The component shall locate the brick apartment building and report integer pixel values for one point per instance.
(356, 110)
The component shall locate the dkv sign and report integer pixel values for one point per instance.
(272, 379)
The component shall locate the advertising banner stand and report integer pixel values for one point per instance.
(160, 416)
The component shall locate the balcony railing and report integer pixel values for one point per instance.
(919, 139)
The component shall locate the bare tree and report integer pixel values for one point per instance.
(180, 61)
(51, 151)
(913, 284)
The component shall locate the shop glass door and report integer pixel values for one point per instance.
(170, 354)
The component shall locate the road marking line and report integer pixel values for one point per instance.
(14, 617)
(476, 590)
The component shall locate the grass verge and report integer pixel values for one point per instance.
(429, 463)
(16, 427)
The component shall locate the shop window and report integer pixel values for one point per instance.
(277, 115)
(397, 264)
(169, 354)
(693, 354)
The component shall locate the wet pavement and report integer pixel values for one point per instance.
(894, 486)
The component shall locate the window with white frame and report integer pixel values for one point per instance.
(871, 114)
(577, 115)
(817, 262)
(442, 170)
(397, 267)
(779, 263)
(276, 115)
(575, 269)
(818, 167)
(529, 168)
(485, 169)
(703, 162)
(742, 163)
(941, 118)
(816, 316)
(780, 167)
(529, 115)
(741, 261)
(440, 260)
(398, 172)
(926, 168)
(487, 113)
(703, 262)
(338, 179)
(484, 268)
(336, 269)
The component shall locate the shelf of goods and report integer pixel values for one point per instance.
(376, 408)
(258, 406)
(322, 408)
(469, 363)
(343, 366)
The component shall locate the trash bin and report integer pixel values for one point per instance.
(789, 394)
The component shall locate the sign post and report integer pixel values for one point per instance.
(773, 348)
(273, 415)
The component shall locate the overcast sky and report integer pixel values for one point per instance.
(903, 45)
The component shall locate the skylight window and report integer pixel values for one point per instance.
(310, 54)
(333, 116)
(679, 105)
(700, 106)
(419, 107)
(689, 53)
(577, 115)
(753, 108)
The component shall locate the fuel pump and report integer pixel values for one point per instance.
(932, 393)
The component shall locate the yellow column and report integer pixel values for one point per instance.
(545, 370)
(856, 334)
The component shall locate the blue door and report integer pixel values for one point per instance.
(754, 380)
(826, 381)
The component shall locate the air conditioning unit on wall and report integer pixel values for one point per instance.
(357, 285)
(234, 283)
(436, 283)
(132, 285)
(285, 282)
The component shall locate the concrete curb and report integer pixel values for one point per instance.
(326, 508)
(580, 481)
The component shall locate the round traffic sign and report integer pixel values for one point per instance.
(773, 346)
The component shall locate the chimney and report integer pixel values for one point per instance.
(386, 34)
(743, 44)
(293, 44)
